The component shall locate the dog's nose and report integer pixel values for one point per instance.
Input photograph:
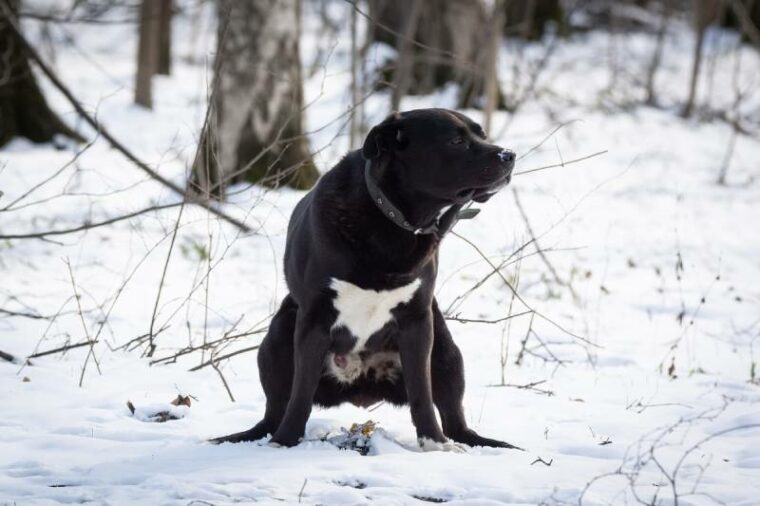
(505, 155)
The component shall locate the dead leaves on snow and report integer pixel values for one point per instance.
(162, 415)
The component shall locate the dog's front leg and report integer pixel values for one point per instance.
(415, 344)
(311, 342)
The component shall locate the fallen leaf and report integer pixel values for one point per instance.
(182, 400)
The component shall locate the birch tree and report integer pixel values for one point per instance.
(255, 127)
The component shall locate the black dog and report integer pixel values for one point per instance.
(361, 324)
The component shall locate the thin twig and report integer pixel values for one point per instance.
(152, 345)
(215, 365)
(89, 226)
(518, 296)
(8, 357)
(42, 183)
(224, 357)
(540, 252)
(62, 349)
(24, 314)
(211, 344)
(91, 352)
(562, 164)
(300, 492)
(497, 320)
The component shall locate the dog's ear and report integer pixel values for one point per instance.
(386, 136)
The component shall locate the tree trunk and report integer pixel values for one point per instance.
(492, 74)
(147, 52)
(23, 109)
(654, 64)
(745, 15)
(443, 44)
(164, 64)
(355, 118)
(528, 19)
(404, 60)
(154, 47)
(255, 131)
(701, 21)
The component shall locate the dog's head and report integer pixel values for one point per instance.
(440, 153)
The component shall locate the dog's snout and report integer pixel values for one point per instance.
(506, 155)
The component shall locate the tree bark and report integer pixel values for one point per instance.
(405, 55)
(700, 25)
(147, 51)
(443, 44)
(23, 109)
(492, 74)
(255, 132)
(164, 64)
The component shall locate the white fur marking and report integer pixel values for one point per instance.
(364, 312)
(428, 445)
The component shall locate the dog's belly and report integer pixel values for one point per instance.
(361, 314)
(378, 366)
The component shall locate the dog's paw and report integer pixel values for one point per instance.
(429, 445)
(283, 442)
(471, 438)
(240, 437)
(256, 433)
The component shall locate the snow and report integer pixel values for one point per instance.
(642, 232)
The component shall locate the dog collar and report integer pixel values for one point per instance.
(440, 226)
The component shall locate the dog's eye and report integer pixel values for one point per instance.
(456, 140)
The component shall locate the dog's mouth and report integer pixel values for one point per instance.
(465, 195)
(481, 194)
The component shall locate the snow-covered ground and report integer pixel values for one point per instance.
(635, 382)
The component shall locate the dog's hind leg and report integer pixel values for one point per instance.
(275, 359)
(447, 374)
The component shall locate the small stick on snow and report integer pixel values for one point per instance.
(62, 349)
(542, 461)
(300, 492)
(8, 357)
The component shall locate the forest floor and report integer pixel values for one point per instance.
(637, 376)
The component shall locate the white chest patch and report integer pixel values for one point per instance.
(364, 312)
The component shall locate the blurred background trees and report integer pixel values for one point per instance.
(24, 111)
(254, 129)
(154, 47)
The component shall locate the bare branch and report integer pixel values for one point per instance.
(88, 226)
(562, 164)
(62, 349)
(34, 55)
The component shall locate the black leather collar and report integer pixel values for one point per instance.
(439, 227)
